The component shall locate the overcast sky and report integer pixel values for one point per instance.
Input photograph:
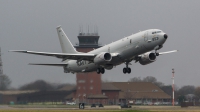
(31, 25)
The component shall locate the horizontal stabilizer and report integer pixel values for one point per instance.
(52, 64)
(161, 53)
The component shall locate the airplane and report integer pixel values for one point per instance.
(141, 47)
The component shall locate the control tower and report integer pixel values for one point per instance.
(87, 42)
(87, 83)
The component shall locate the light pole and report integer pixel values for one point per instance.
(79, 98)
(173, 86)
(84, 97)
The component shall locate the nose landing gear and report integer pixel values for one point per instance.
(157, 48)
(127, 69)
(156, 53)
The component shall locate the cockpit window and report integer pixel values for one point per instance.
(156, 32)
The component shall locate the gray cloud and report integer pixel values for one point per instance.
(30, 25)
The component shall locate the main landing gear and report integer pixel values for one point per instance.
(127, 69)
(100, 70)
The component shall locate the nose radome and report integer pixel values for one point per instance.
(165, 36)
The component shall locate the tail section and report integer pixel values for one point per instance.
(65, 43)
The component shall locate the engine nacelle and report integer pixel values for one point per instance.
(108, 66)
(102, 58)
(147, 58)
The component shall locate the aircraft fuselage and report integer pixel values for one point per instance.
(127, 49)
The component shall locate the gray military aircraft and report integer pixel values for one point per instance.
(135, 47)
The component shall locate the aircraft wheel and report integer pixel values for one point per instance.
(157, 54)
(124, 70)
(102, 70)
(128, 70)
(98, 70)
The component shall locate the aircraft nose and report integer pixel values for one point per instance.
(165, 36)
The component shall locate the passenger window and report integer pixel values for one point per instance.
(158, 31)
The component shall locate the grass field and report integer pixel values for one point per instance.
(114, 108)
(73, 111)
(44, 106)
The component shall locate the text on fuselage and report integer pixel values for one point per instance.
(81, 63)
(155, 38)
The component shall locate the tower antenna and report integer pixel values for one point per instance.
(88, 29)
(1, 64)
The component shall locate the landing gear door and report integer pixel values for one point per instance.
(146, 36)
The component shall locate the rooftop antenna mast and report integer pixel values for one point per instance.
(1, 64)
(88, 29)
(97, 30)
(79, 29)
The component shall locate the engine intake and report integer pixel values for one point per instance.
(102, 58)
(107, 56)
(147, 58)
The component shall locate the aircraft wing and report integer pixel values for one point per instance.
(161, 53)
(137, 58)
(64, 56)
(52, 64)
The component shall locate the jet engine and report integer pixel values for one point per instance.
(102, 58)
(147, 58)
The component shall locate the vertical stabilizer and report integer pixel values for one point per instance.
(65, 43)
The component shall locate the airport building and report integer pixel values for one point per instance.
(121, 92)
(111, 93)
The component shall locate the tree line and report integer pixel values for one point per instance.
(187, 92)
(40, 85)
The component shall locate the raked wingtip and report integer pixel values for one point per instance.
(58, 27)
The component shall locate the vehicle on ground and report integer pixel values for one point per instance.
(157, 103)
(101, 105)
(93, 105)
(71, 103)
(125, 106)
(138, 103)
